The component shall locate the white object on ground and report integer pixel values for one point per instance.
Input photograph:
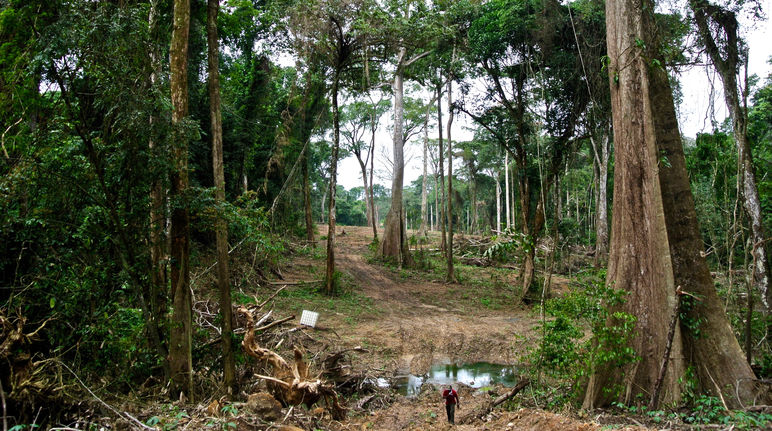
(309, 318)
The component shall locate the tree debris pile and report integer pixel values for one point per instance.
(290, 383)
(27, 382)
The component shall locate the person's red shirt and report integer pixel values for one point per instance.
(451, 396)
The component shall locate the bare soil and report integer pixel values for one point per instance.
(417, 323)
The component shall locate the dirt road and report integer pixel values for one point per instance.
(422, 321)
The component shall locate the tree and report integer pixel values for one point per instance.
(180, 345)
(223, 278)
(655, 248)
(717, 28)
(451, 276)
(337, 33)
(394, 243)
(357, 117)
(157, 238)
(524, 55)
(422, 230)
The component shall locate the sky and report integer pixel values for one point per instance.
(699, 84)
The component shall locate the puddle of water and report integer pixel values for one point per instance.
(476, 375)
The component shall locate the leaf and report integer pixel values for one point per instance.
(52, 302)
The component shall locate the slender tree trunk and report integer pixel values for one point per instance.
(223, 277)
(307, 201)
(372, 194)
(368, 200)
(244, 179)
(394, 244)
(506, 186)
(329, 279)
(498, 202)
(158, 281)
(441, 208)
(435, 215)
(431, 217)
(425, 185)
(601, 213)
(180, 346)
(473, 190)
(524, 195)
(449, 213)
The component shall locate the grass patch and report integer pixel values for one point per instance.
(350, 304)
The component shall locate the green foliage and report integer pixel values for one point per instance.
(509, 245)
(564, 353)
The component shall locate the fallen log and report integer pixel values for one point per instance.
(293, 283)
(479, 413)
(518, 387)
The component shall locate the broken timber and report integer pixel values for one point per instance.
(291, 384)
(477, 414)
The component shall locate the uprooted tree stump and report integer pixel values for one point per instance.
(291, 384)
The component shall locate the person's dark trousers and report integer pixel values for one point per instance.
(451, 409)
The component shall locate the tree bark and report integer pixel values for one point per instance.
(601, 213)
(307, 201)
(373, 127)
(655, 241)
(640, 261)
(506, 187)
(425, 184)
(180, 353)
(158, 280)
(451, 277)
(498, 202)
(394, 244)
(329, 279)
(714, 352)
(368, 200)
(223, 277)
(441, 208)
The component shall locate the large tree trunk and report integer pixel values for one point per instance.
(655, 238)
(329, 278)
(223, 278)
(726, 59)
(713, 352)
(180, 353)
(451, 278)
(158, 281)
(394, 244)
(640, 261)
(601, 213)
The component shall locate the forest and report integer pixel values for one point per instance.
(531, 223)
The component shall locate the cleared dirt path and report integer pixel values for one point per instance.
(420, 323)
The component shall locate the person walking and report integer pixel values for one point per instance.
(451, 401)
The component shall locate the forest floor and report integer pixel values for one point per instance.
(409, 320)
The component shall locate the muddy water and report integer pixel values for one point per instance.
(476, 375)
